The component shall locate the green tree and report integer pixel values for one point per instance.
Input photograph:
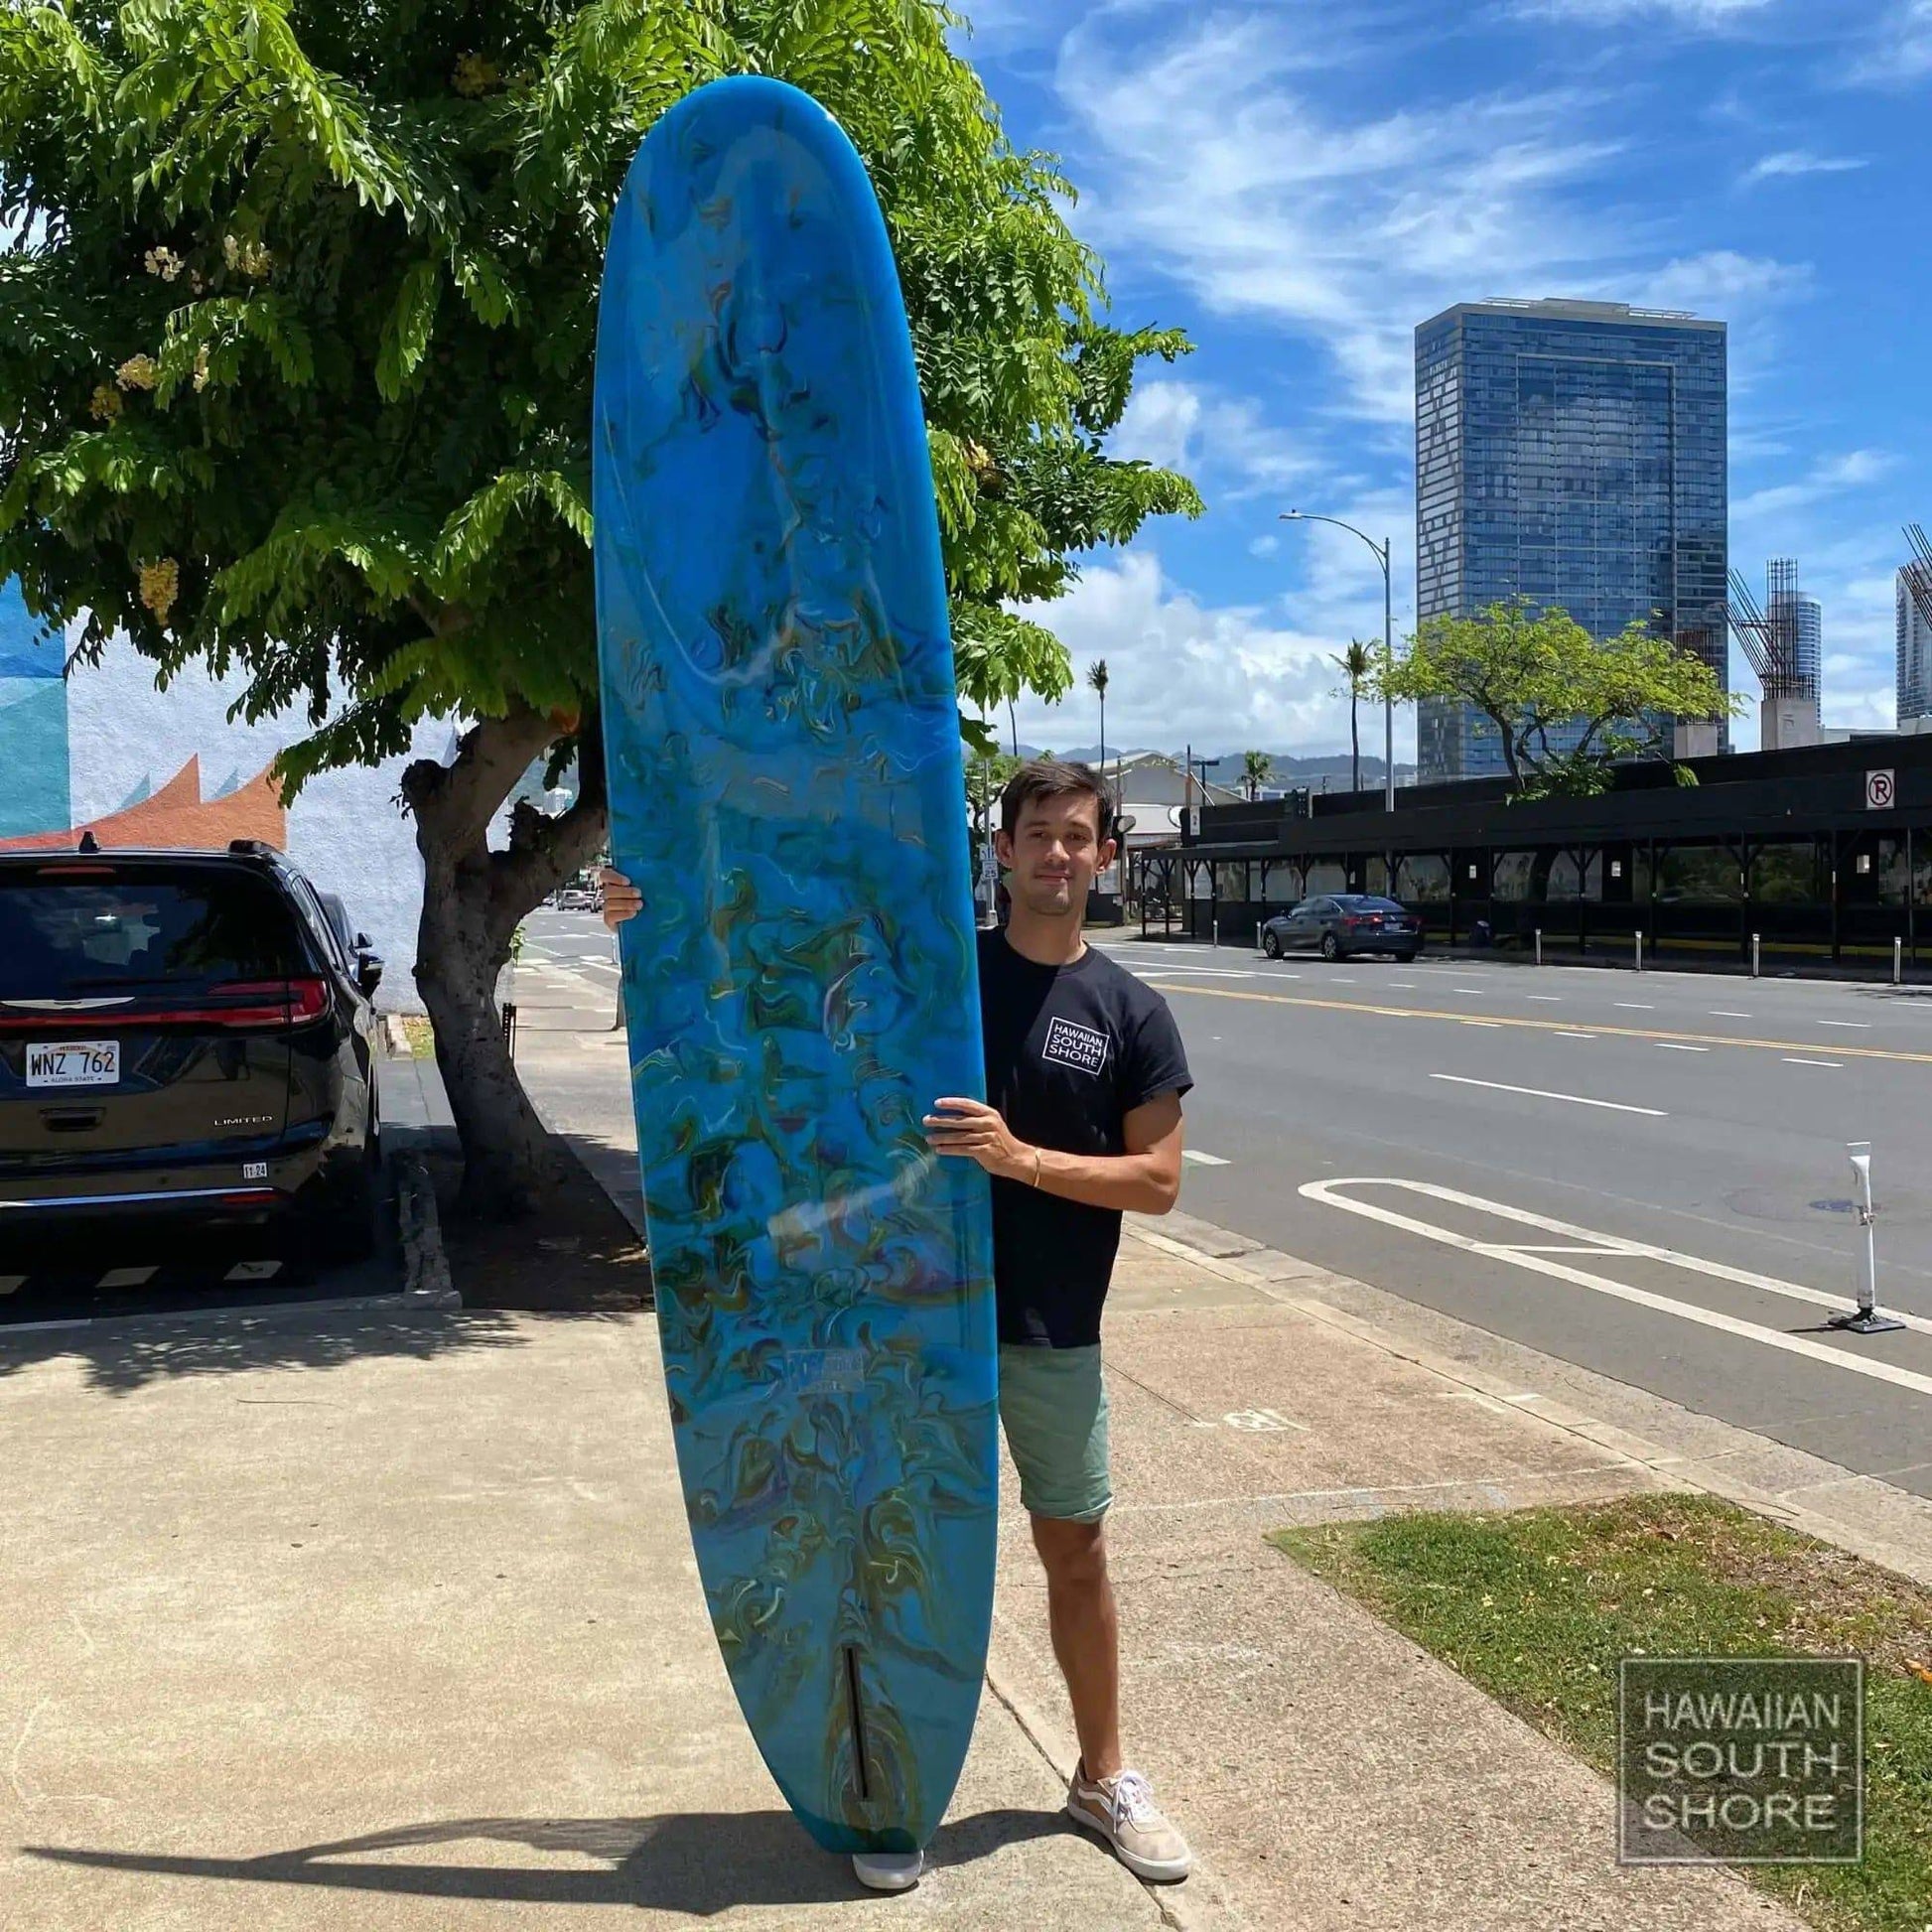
(1357, 668)
(1530, 671)
(1255, 769)
(1097, 683)
(296, 335)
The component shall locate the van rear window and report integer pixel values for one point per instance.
(99, 929)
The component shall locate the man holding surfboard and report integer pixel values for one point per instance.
(1085, 1074)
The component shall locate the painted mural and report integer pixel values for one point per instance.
(102, 751)
(32, 722)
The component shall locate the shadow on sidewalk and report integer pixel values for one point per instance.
(698, 1862)
(124, 1357)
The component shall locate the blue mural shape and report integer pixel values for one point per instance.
(34, 792)
(783, 742)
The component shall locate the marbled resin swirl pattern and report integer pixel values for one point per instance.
(785, 788)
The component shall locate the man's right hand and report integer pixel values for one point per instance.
(621, 899)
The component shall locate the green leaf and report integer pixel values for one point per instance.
(406, 333)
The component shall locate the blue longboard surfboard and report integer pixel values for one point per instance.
(782, 743)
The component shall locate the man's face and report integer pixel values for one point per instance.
(1053, 852)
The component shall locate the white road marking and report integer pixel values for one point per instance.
(1201, 1160)
(1611, 1246)
(1468, 989)
(1564, 1035)
(1539, 1093)
(1495, 1025)
(1548, 999)
(1862, 1026)
(1407, 986)
(1342, 979)
(1634, 1006)
(1208, 972)
(1677, 1046)
(1791, 1059)
(127, 1277)
(1724, 1012)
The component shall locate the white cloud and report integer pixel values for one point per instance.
(1221, 441)
(1180, 671)
(1705, 14)
(1898, 51)
(1213, 157)
(1827, 477)
(1801, 161)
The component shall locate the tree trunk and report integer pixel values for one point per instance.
(474, 899)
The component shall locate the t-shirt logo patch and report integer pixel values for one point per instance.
(1071, 1046)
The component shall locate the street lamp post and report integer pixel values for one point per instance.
(1381, 551)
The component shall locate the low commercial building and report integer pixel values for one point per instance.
(1822, 854)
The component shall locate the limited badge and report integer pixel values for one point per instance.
(1071, 1046)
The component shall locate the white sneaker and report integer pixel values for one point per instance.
(887, 1870)
(1121, 1810)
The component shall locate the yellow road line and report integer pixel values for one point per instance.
(1551, 1026)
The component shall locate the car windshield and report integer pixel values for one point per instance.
(100, 930)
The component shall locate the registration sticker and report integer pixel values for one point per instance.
(74, 1063)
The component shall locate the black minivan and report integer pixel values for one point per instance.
(185, 1039)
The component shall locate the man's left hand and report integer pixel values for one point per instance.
(975, 1131)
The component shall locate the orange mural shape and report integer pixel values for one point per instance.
(178, 818)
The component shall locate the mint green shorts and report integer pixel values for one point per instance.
(1053, 1402)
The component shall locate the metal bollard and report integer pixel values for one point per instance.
(1539, 945)
(1215, 930)
(1758, 941)
(1640, 952)
(1866, 1320)
(1898, 962)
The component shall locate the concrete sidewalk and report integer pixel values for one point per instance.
(381, 1621)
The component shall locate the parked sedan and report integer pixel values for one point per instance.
(183, 1037)
(1341, 923)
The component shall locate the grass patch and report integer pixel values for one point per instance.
(1535, 1607)
(420, 1036)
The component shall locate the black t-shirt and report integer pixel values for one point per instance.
(1070, 1053)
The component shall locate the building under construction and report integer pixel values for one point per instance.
(1783, 639)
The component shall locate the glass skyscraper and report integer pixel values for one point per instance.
(1573, 453)
(1915, 645)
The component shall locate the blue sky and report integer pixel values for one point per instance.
(1299, 184)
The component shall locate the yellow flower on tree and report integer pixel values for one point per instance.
(137, 373)
(160, 583)
(163, 261)
(474, 76)
(105, 404)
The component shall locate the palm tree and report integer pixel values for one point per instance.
(1357, 665)
(1097, 678)
(1255, 767)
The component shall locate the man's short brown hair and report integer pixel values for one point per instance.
(1041, 778)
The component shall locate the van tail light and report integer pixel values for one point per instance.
(265, 1002)
(243, 1006)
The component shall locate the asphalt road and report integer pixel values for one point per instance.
(1679, 1142)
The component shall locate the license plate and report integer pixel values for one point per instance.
(74, 1063)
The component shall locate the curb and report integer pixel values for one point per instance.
(425, 1266)
(1300, 1284)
